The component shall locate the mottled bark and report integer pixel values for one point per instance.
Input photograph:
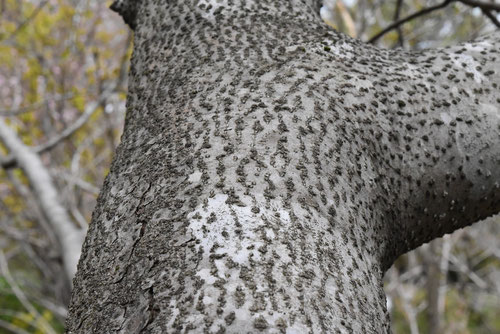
(271, 170)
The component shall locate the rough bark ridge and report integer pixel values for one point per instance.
(271, 170)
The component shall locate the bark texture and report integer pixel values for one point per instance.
(272, 169)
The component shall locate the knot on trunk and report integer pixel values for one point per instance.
(128, 11)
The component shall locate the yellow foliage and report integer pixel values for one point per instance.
(78, 102)
(27, 139)
(88, 14)
(100, 143)
(66, 12)
(42, 25)
(7, 27)
(19, 322)
(14, 203)
(51, 84)
(3, 149)
(31, 75)
(90, 74)
(80, 135)
(12, 4)
(52, 57)
(66, 53)
(391, 37)
(27, 117)
(20, 175)
(26, 317)
(104, 36)
(96, 115)
(6, 58)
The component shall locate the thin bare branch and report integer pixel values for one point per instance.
(467, 271)
(397, 13)
(84, 117)
(398, 23)
(12, 328)
(17, 235)
(433, 259)
(10, 161)
(25, 22)
(346, 18)
(481, 4)
(78, 181)
(14, 112)
(444, 265)
(4, 268)
(492, 17)
(33, 211)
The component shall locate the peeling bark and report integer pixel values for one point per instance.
(272, 169)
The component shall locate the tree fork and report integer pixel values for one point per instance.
(272, 169)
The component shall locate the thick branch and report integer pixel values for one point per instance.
(449, 156)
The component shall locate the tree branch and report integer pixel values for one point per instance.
(397, 13)
(25, 22)
(4, 269)
(10, 327)
(10, 161)
(481, 4)
(492, 17)
(14, 112)
(68, 235)
(485, 7)
(409, 18)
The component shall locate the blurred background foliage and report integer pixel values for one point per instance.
(63, 85)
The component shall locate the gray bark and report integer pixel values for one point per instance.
(272, 169)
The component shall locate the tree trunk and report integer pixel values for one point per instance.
(272, 169)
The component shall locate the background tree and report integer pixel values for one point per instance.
(62, 89)
(56, 91)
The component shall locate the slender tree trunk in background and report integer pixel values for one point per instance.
(432, 262)
(272, 169)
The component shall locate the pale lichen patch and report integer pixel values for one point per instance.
(468, 64)
(195, 177)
